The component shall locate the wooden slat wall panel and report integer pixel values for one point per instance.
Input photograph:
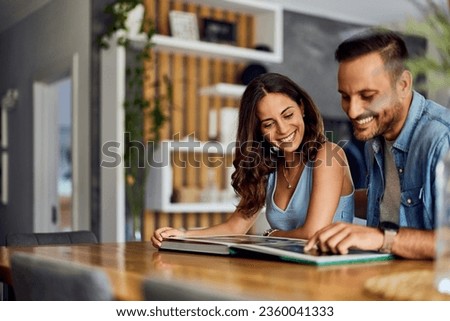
(189, 113)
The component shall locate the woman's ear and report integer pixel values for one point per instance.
(302, 108)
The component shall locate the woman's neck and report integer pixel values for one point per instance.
(292, 159)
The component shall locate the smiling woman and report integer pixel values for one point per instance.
(283, 162)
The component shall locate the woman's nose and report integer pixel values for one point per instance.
(282, 127)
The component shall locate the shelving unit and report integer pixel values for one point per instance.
(268, 20)
(160, 178)
(268, 31)
(223, 90)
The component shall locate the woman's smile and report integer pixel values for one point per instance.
(288, 139)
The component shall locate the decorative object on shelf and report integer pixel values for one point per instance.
(135, 20)
(184, 25)
(436, 29)
(223, 90)
(253, 70)
(126, 19)
(210, 194)
(124, 16)
(227, 119)
(250, 72)
(219, 31)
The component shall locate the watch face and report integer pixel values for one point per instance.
(386, 225)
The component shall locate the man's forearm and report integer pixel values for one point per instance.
(415, 244)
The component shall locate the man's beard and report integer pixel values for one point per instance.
(390, 117)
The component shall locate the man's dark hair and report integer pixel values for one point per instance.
(388, 44)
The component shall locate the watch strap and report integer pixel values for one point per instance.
(390, 230)
(388, 241)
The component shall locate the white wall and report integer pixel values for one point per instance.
(40, 47)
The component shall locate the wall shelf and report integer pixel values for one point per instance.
(160, 178)
(223, 90)
(268, 31)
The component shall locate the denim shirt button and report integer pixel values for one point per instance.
(409, 201)
(400, 170)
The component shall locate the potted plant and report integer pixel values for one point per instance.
(435, 27)
(127, 20)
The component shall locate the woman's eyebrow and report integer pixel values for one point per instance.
(284, 110)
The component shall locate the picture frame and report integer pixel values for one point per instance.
(219, 31)
(184, 25)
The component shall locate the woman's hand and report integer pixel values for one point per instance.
(162, 233)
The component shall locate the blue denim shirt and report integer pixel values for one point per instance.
(423, 141)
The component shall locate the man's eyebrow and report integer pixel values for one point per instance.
(359, 91)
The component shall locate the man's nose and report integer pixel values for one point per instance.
(354, 108)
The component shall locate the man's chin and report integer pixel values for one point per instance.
(363, 136)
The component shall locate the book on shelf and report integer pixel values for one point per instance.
(286, 249)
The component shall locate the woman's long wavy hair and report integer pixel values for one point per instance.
(255, 157)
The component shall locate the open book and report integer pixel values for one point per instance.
(287, 249)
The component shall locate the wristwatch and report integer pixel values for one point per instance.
(390, 230)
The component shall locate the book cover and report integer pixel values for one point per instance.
(286, 249)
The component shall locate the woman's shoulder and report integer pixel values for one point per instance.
(331, 154)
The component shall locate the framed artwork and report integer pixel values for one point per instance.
(219, 31)
(184, 25)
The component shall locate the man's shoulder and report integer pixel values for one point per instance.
(430, 117)
(432, 132)
(435, 119)
(434, 112)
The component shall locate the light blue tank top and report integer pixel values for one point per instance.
(295, 214)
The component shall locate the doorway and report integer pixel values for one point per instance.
(53, 167)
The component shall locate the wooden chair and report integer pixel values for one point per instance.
(155, 289)
(37, 278)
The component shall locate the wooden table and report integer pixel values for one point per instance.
(127, 264)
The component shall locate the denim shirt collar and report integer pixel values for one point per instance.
(403, 140)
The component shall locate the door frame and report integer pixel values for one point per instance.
(43, 173)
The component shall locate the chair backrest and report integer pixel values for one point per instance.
(37, 278)
(32, 239)
(155, 289)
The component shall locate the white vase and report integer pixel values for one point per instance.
(134, 20)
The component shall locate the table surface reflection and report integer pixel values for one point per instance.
(128, 264)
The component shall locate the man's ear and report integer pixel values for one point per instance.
(404, 84)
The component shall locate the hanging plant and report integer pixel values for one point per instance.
(135, 103)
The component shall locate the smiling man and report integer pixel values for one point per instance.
(405, 136)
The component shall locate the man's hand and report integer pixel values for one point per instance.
(338, 238)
